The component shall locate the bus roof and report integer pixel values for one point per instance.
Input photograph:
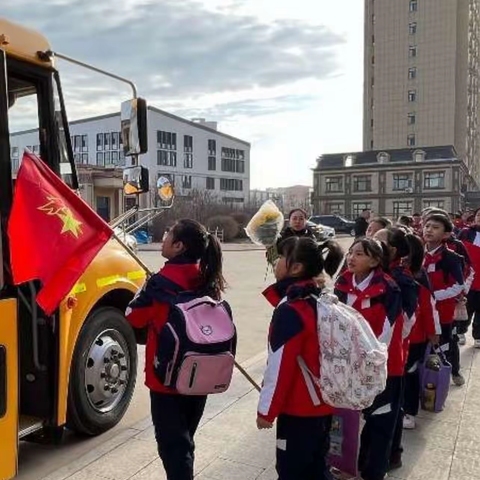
(23, 43)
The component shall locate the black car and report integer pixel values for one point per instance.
(340, 224)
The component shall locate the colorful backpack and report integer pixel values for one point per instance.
(196, 347)
(353, 363)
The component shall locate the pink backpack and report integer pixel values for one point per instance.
(196, 347)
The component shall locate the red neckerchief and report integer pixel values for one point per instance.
(433, 259)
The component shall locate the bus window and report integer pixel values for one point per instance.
(23, 120)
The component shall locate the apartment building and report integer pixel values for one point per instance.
(421, 130)
(421, 85)
(390, 182)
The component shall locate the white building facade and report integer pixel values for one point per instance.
(193, 154)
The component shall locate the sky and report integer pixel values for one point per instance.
(285, 75)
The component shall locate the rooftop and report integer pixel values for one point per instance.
(338, 160)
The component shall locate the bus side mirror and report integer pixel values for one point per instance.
(133, 122)
(135, 180)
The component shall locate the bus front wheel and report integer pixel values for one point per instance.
(103, 373)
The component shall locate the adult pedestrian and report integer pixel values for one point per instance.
(297, 226)
(361, 223)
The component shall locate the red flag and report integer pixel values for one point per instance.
(54, 234)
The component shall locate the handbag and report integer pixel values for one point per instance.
(345, 441)
(435, 371)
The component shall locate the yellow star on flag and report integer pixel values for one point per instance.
(70, 223)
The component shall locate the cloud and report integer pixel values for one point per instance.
(179, 48)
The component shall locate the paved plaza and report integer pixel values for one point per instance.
(445, 446)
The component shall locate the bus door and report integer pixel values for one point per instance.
(8, 308)
(8, 389)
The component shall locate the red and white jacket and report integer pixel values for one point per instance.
(470, 237)
(445, 271)
(293, 334)
(150, 308)
(379, 300)
(427, 320)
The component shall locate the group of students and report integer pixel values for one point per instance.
(406, 287)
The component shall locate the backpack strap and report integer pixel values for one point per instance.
(308, 376)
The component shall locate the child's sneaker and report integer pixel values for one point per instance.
(476, 344)
(458, 380)
(409, 422)
(462, 339)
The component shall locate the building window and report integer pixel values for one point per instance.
(348, 161)
(383, 157)
(166, 140)
(106, 141)
(240, 166)
(412, 95)
(412, 28)
(115, 157)
(412, 51)
(166, 158)
(434, 204)
(434, 180)
(334, 184)
(210, 183)
(334, 209)
(412, 118)
(413, 5)
(108, 158)
(212, 148)
(188, 160)
(231, 184)
(212, 163)
(411, 140)
(103, 207)
(100, 159)
(84, 143)
(99, 141)
(412, 73)
(84, 158)
(418, 155)
(362, 183)
(187, 143)
(402, 208)
(402, 181)
(187, 182)
(115, 141)
(359, 207)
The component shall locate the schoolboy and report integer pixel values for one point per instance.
(445, 270)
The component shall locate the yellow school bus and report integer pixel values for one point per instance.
(76, 368)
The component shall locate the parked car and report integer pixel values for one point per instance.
(321, 232)
(340, 224)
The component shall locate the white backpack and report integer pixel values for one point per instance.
(353, 363)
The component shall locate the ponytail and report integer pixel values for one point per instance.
(314, 258)
(417, 253)
(333, 258)
(211, 267)
(204, 247)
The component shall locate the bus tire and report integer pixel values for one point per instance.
(103, 373)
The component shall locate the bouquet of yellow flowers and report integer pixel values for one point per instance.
(266, 225)
(265, 228)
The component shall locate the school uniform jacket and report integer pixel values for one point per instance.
(293, 334)
(381, 305)
(427, 319)
(445, 272)
(410, 294)
(150, 308)
(459, 248)
(470, 237)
